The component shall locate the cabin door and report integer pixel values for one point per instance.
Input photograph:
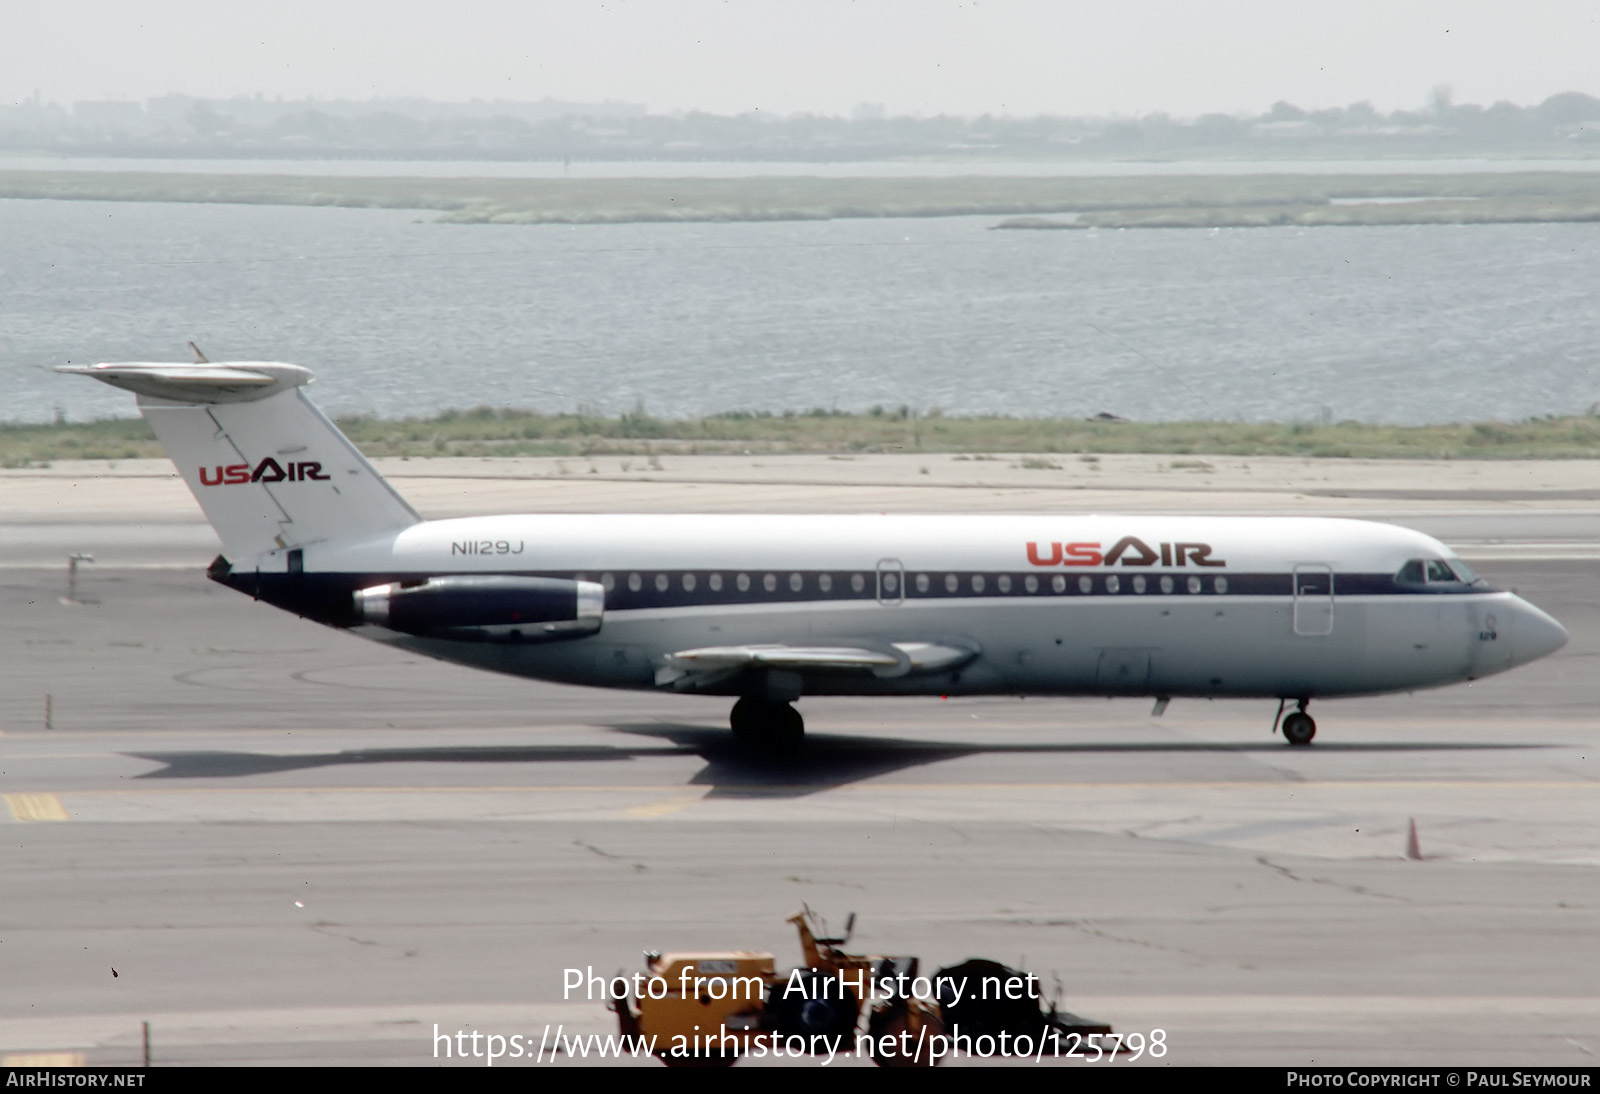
(1313, 600)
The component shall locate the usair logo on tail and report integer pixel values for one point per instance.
(1127, 551)
(268, 470)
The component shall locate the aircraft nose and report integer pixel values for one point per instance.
(1537, 635)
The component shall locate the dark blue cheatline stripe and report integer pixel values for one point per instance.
(842, 586)
(326, 596)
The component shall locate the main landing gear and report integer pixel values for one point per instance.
(769, 726)
(1298, 728)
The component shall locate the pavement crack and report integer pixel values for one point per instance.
(1358, 890)
(638, 867)
(1149, 829)
(327, 929)
(1088, 928)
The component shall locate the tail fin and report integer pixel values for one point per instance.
(269, 469)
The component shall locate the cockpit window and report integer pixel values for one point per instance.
(1437, 571)
(1410, 573)
(1440, 571)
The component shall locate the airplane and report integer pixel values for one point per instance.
(767, 610)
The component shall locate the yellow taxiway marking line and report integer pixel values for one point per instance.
(661, 809)
(42, 1059)
(36, 807)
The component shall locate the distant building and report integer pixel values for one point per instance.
(109, 117)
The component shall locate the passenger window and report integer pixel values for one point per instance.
(977, 583)
(1221, 585)
(1138, 583)
(688, 583)
(1085, 585)
(922, 583)
(1058, 583)
(1004, 582)
(1193, 583)
(951, 583)
(635, 582)
(1166, 583)
(715, 581)
(770, 582)
(608, 582)
(661, 583)
(857, 582)
(1113, 583)
(796, 582)
(743, 581)
(1031, 583)
(824, 582)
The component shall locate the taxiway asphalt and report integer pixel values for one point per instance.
(295, 846)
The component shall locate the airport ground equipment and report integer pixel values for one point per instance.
(710, 1008)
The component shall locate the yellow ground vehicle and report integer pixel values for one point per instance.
(701, 1009)
(708, 1009)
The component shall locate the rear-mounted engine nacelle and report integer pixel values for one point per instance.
(486, 609)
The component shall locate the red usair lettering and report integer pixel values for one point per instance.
(1083, 554)
(1132, 551)
(268, 470)
(1197, 553)
(1129, 551)
(1073, 554)
(239, 472)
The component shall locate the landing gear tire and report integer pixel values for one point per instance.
(772, 727)
(1298, 728)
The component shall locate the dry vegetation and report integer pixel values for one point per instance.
(493, 432)
(1150, 201)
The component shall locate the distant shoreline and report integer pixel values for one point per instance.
(1040, 443)
(1128, 201)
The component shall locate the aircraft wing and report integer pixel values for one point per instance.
(691, 669)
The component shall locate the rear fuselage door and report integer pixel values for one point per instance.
(1313, 600)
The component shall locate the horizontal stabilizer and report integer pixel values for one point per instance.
(232, 382)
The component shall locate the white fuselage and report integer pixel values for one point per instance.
(1165, 606)
(774, 608)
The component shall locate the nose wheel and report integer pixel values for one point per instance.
(768, 726)
(1298, 728)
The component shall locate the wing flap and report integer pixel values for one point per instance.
(784, 657)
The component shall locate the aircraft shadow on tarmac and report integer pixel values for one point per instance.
(732, 770)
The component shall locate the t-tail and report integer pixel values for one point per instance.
(269, 469)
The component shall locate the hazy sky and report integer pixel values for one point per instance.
(1185, 57)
